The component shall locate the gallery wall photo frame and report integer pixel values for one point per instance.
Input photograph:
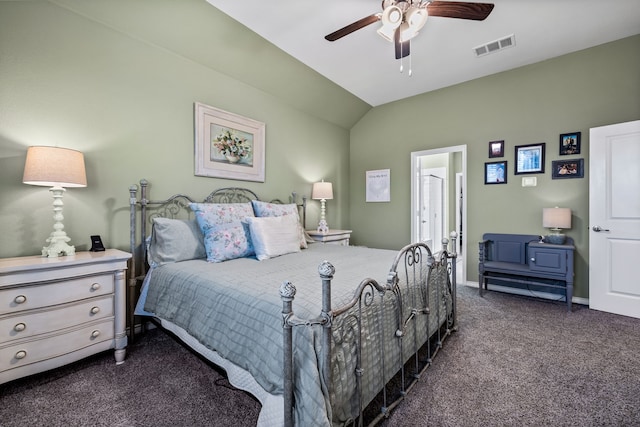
(228, 145)
(566, 169)
(529, 158)
(569, 143)
(495, 172)
(496, 149)
(378, 185)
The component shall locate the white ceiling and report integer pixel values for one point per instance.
(443, 53)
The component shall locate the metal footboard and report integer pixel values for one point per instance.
(411, 315)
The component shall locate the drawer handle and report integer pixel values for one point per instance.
(95, 334)
(95, 286)
(20, 299)
(21, 354)
(19, 327)
(95, 310)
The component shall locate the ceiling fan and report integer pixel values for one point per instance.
(403, 19)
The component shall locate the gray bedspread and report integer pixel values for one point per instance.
(234, 308)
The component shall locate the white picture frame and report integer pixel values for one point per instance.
(227, 145)
(378, 185)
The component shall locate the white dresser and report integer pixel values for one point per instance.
(54, 311)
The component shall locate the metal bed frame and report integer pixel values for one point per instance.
(415, 264)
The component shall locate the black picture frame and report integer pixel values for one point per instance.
(496, 149)
(530, 158)
(569, 144)
(567, 169)
(495, 172)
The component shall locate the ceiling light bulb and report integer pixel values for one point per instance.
(391, 16)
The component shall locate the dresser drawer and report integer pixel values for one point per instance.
(37, 296)
(37, 322)
(36, 350)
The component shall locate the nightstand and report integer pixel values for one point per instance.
(54, 311)
(335, 237)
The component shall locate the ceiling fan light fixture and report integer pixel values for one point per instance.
(391, 19)
(416, 17)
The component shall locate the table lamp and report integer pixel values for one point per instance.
(556, 219)
(56, 168)
(322, 191)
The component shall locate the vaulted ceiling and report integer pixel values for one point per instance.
(444, 53)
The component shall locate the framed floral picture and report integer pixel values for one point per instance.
(228, 145)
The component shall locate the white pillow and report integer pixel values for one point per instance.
(274, 236)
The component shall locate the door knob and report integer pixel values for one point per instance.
(598, 229)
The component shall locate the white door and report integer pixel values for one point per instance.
(614, 216)
(433, 208)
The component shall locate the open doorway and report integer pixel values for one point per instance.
(438, 194)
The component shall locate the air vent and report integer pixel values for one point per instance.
(495, 45)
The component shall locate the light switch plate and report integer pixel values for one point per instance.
(529, 181)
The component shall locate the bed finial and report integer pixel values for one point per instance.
(287, 290)
(326, 270)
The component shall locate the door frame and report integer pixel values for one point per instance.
(415, 177)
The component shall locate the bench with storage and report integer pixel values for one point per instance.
(524, 260)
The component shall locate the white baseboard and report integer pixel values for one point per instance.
(526, 292)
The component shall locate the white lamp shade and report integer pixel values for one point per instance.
(54, 167)
(556, 218)
(322, 190)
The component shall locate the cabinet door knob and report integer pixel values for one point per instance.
(95, 334)
(21, 354)
(20, 299)
(19, 327)
(95, 310)
(95, 286)
(533, 260)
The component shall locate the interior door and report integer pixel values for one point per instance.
(432, 212)
(614, 215)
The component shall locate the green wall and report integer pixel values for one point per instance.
(117, 80)
(532, 104)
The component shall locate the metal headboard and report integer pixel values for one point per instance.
(176, 206)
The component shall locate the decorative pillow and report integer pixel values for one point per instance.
(174, 240)
(224, 235)
(209, 214)
(265, 209)
(274, 236)
(228, 241)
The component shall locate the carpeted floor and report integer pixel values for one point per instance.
(515, 361)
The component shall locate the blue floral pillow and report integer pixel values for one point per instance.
(225, 237)
(228, 241)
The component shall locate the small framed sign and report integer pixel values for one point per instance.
(378, 185)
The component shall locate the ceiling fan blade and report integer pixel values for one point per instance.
(461, 10)
(402, 48)
(352, 27)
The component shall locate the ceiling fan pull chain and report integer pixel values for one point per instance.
(410, 63)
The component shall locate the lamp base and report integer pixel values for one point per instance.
(58, 239)
(555, 238)
(323, 227)
(59, 247)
